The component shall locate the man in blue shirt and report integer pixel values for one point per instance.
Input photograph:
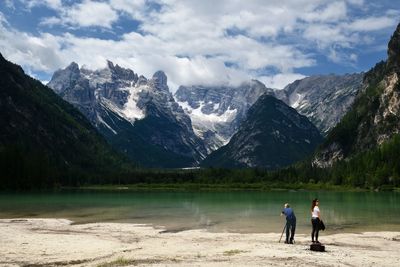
(290, 223)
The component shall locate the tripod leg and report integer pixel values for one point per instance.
(282, 233)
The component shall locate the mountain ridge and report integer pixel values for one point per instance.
(324, 99)
(374, 118)
(273, 135)
(149, 116)
(217, 111)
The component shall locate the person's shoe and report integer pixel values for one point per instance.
(286, 242)
(291, 242)
(313, 241)
(317, 242)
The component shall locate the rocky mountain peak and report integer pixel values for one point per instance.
(133, 113)
(393, 62)
(271, 136)
(324, 99)
(217, 111)
(160, 79)
(110, 64)
(73, 67)
(69, 75)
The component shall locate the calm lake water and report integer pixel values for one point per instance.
(216, 211)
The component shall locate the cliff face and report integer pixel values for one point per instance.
(323, 99)
(375, 115)
(138, 116)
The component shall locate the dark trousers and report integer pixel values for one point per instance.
(290, 228)
(315, 229)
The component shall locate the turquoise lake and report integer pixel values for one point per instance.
(243, 212)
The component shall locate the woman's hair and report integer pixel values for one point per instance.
(314, 203)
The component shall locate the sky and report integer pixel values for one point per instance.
(199, 42)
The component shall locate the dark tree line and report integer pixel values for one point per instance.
(22, 169)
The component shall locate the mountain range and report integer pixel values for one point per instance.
(141, 118)
(138, 116)
(47, 141)
(217, 111)
(273, 135)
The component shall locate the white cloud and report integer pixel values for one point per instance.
(333, 12)
(349, 34)
(356, 2)
(135, 8)
(34, 53)
(49, 21)
(54, 4)
(200, 42)
(85, 14)
(89, 13)
(9, 4)
(279, 81)
(372, 24)
(325, 35)
(353, 57)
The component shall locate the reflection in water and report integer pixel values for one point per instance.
(216, 211)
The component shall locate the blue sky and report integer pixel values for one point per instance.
(200, 42)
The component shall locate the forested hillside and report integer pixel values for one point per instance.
(44, 141)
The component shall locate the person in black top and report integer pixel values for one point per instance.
(290, 223)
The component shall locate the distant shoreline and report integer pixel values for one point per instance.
(229, 187)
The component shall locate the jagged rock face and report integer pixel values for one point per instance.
(86, 89)
(216, 112)
(113, 96)
(375, 115)
(393, 62)
(324, 99)
(273, 135)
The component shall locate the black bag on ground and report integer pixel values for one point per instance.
(321, 225)
(317, 247)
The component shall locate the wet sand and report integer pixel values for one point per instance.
(58, 242)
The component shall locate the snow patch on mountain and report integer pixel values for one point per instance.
(116, 98)
(216, 112)
(131, 110)
(295, 100)
(203, 123)
(105, 124)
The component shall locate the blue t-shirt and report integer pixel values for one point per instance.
(289, 214)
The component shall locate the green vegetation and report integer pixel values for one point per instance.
(121, 261)
(45, 141)
(233, 252)
(348, 130)
(376, 168)
(133, 141)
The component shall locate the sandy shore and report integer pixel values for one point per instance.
(57, 242)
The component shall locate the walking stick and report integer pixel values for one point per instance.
(282, 233)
